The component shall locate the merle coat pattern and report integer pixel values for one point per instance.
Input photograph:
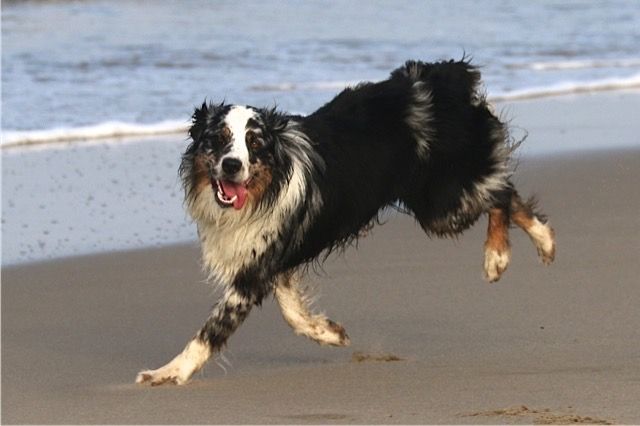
(271, 192)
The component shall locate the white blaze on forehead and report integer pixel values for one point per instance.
(236, 120)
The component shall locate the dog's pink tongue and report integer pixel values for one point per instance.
(232, 188)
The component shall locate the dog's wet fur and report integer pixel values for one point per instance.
(271, 192)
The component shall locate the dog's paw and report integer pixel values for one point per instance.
(547, 253)
(327, 332)
(495, 263)
(180, 369)
(543, 237)
(340, 337)
(165, 375)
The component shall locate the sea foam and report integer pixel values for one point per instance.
(106, 130)
(569, 88)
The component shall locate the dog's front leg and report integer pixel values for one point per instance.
(225, 317)
(294, 305)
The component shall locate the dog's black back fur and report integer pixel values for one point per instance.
(371, 161)
(470, 145)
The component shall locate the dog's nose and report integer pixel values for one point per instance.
(231, 166)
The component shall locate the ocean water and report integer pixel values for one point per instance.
(108, 67)
(77, 72)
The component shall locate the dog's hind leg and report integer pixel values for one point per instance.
(497, 250)
(294, 304)
(535, 225)
(225, 317)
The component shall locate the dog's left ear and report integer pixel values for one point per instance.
(274, 122)
(280, 124)
(276, 125)
(202, 118)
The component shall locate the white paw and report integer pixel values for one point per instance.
(495, 263)
(167, 374)
(327, 332)
(180, 369)
(543, 238)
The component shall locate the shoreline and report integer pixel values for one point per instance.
(555, 344)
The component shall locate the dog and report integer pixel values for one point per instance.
(272, 192)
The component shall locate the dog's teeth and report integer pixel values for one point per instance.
(224, 200)
(221, 197)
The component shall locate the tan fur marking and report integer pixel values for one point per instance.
(261, 178)
(497, 251)
(498, 230)
(541, 234)
(201, 173)
(522, 218)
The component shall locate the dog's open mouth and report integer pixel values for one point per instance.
(230, 193)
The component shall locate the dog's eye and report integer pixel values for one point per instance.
(225, 133)
(253, 141)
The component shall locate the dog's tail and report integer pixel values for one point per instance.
(467, 148)
(451, 85)
(457, 79)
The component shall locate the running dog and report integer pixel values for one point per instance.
(271, 192)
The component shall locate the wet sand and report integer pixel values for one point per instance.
(431, 341)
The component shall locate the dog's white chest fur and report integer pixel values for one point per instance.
(232, 240)
(230, 245)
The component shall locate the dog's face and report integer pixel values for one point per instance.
(233, 157)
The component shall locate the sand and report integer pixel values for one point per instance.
(431, 341)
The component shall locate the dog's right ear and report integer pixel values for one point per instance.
(202, 118)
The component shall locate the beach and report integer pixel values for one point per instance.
(101, 275)
(431, 341)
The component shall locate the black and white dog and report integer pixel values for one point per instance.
(271, 192)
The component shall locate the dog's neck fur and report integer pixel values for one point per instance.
(232, 240)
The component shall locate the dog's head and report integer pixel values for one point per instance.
(235, 161)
